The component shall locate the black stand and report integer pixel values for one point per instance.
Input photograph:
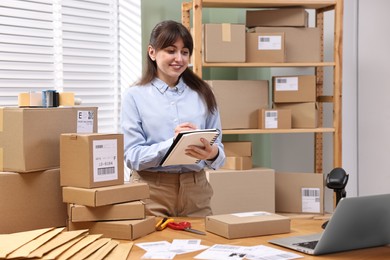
(337, 180)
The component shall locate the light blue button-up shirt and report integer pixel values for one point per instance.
(149, 116)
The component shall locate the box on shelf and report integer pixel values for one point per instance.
(119, 211)
(106, 195)
(238, 163)
(299, 192)
(236, 114)
(242, 190)
(91, 160)
(301, 44)
(224, 42)
(274, 118)
(265, 47)
(247, 224)
(31, 201)
(30, 137)
(288, 89)
(304, 115)
(239, 148)
(290, 17)
(119, 229)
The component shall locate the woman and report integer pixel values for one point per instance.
(168, 99)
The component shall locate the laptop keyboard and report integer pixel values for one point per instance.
(309, 244)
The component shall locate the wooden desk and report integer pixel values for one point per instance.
(299, 226)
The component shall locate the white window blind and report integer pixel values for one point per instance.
(70, 46)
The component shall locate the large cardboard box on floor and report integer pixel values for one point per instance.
(242, 190)
(239, 100)
(265, 47)
(119, 211)
(299, 192)
(91, 160)
(275, 118)
(30, 137)
(247, 224)
(224, 42)
(31, 201)
(301, 44)
(303, 114)
(288, 89)
(120, 229)
(109, 195)
(291, 17)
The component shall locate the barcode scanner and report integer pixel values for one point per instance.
(337, 180)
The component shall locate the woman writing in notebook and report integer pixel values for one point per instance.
(168, 99)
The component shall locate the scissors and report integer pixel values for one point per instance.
(186, 226)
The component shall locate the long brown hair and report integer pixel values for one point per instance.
(163, 35)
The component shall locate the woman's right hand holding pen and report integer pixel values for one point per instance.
(184, 127)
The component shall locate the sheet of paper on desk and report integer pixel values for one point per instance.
(220, 251)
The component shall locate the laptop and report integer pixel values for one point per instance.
(357, 222)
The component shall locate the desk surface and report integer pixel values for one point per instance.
(299, 226)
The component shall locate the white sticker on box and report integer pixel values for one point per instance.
(251, 214)
(105, 160)
(85, 121)
(269, 42)
(311, 200)
(286, 84)
(271, 119)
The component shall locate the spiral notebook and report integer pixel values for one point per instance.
(176, 153)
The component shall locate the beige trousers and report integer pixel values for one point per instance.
(176, 194)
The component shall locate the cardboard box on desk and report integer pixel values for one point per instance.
(299, 192)
(288, 89)
(275, 118)
(121, 229)
(303, 114)
(224, 42)
(238, 163)
(119, 211)
(109, 195)
(242, 190)
(265, 47)
(247, 224)
(301, 44)
(30, 137)
(289, 17)
(243, 148)
(240, 113)
(31, 201)
(91, 160)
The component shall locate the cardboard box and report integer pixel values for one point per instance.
(274, 118)
(224, 42)
(120, 211)
(304, 115)
(234, 113)
(299, 192)
(106, 195)
(247, 224)
(242, 190)
(121, 229)
(265, 47)
(30, 137)
(294, 89)
(31, 201)
(238, 148)
(238, 163)
(91, 160)
(290, 17)
(301, 44)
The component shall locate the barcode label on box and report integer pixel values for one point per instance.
(269, 42)
(286, 84)
(271, 119)
(105, 160)
(85, 121)
(311, 200)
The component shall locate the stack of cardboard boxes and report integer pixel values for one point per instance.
(93, 188)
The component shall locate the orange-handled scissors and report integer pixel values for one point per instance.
(186, 226)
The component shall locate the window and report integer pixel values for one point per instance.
(89, 47)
